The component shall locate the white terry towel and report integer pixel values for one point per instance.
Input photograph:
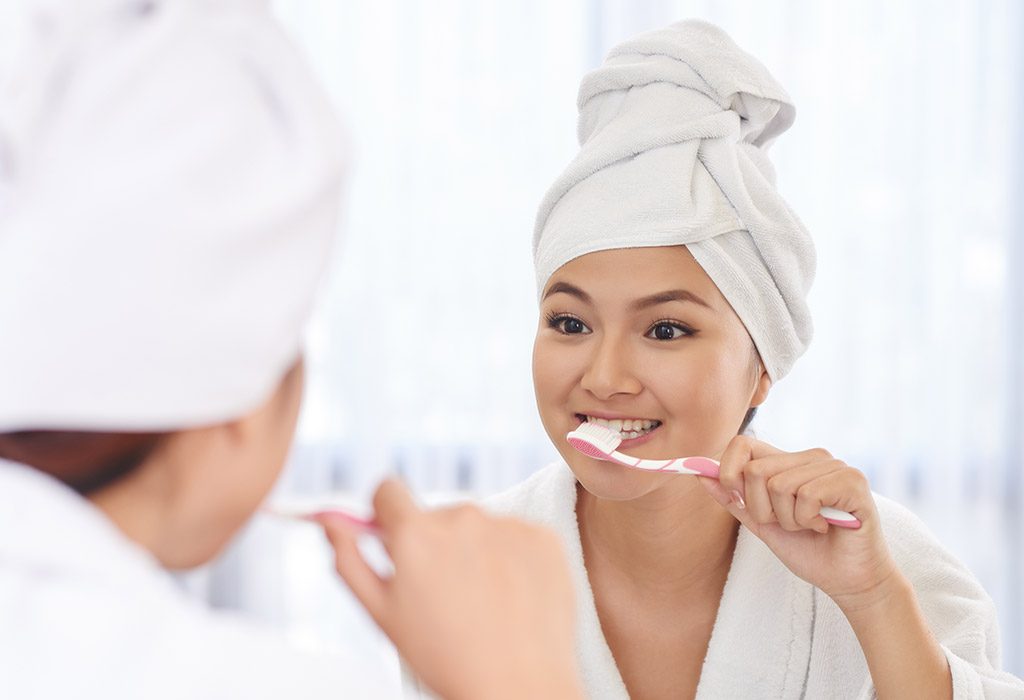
(170, 179)
(673, 131)
(776, 636)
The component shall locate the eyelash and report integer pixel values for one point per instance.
(555, 321)
(683, 328)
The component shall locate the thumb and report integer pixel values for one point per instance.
(716, 490)
(393, 504)
(732, 501)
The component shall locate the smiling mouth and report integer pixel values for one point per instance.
(628, 428)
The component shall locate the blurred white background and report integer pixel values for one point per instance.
(906, 162)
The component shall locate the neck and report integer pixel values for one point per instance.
(673, 541)
(138, 505)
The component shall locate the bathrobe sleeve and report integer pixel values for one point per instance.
(961, 615)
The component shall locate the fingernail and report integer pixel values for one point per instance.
(737, 498)
(326, 517)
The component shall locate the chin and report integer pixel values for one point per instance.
(198, 555)
(185, 562)
(610, 481)
(200, 547)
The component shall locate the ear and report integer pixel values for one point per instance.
(238, 431)
(196, 445)
(216, 439)
(283, 402)
(761, 389)
(241, 432)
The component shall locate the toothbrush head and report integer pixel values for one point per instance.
(595, 440)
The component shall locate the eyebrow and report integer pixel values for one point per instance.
(670, 295)
(639, 304)
(571, 290)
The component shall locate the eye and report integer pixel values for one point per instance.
(668, 330)
(567, 325)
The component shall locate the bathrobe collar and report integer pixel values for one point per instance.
(761, 642)
(48, 528)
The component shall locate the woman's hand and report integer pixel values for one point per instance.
(478, 606)
(777, 496)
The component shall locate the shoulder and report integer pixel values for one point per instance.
(236, 655)
(542, 494)
(548, 497)
(162, 643)
(911, 542)
(950, 596)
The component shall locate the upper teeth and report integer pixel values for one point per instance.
(629, 427)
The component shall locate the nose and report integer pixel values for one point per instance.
(609, 372)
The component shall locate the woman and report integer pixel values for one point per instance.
(673, 280)
(170, 180)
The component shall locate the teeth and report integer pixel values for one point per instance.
(629, 428)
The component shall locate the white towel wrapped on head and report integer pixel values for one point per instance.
(170, 180)
(673, 131)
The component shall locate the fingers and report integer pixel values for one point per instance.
(743, 451)
(740, 451)
(393, 505)
(715, 488)
(794, 501)
(763, 463)
(846, 489)
(743, 448)
(730, 500)
(369, 588)
(785, 487)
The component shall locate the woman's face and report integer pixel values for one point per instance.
(642, 336)
(261, 448)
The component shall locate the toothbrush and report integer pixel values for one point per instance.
(314, 515)
(600, 442)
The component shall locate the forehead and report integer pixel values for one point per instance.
(632, 273)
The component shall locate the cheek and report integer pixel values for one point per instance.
(554, 374)
(282, 435)
(707, 395)
(266, 461)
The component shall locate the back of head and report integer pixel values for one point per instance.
(170, 179)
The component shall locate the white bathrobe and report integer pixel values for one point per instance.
(86, 613)
(804, 647)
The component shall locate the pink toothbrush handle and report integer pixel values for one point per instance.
(709, 467)
(839, 518)
(318, 516)
(343, 516)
